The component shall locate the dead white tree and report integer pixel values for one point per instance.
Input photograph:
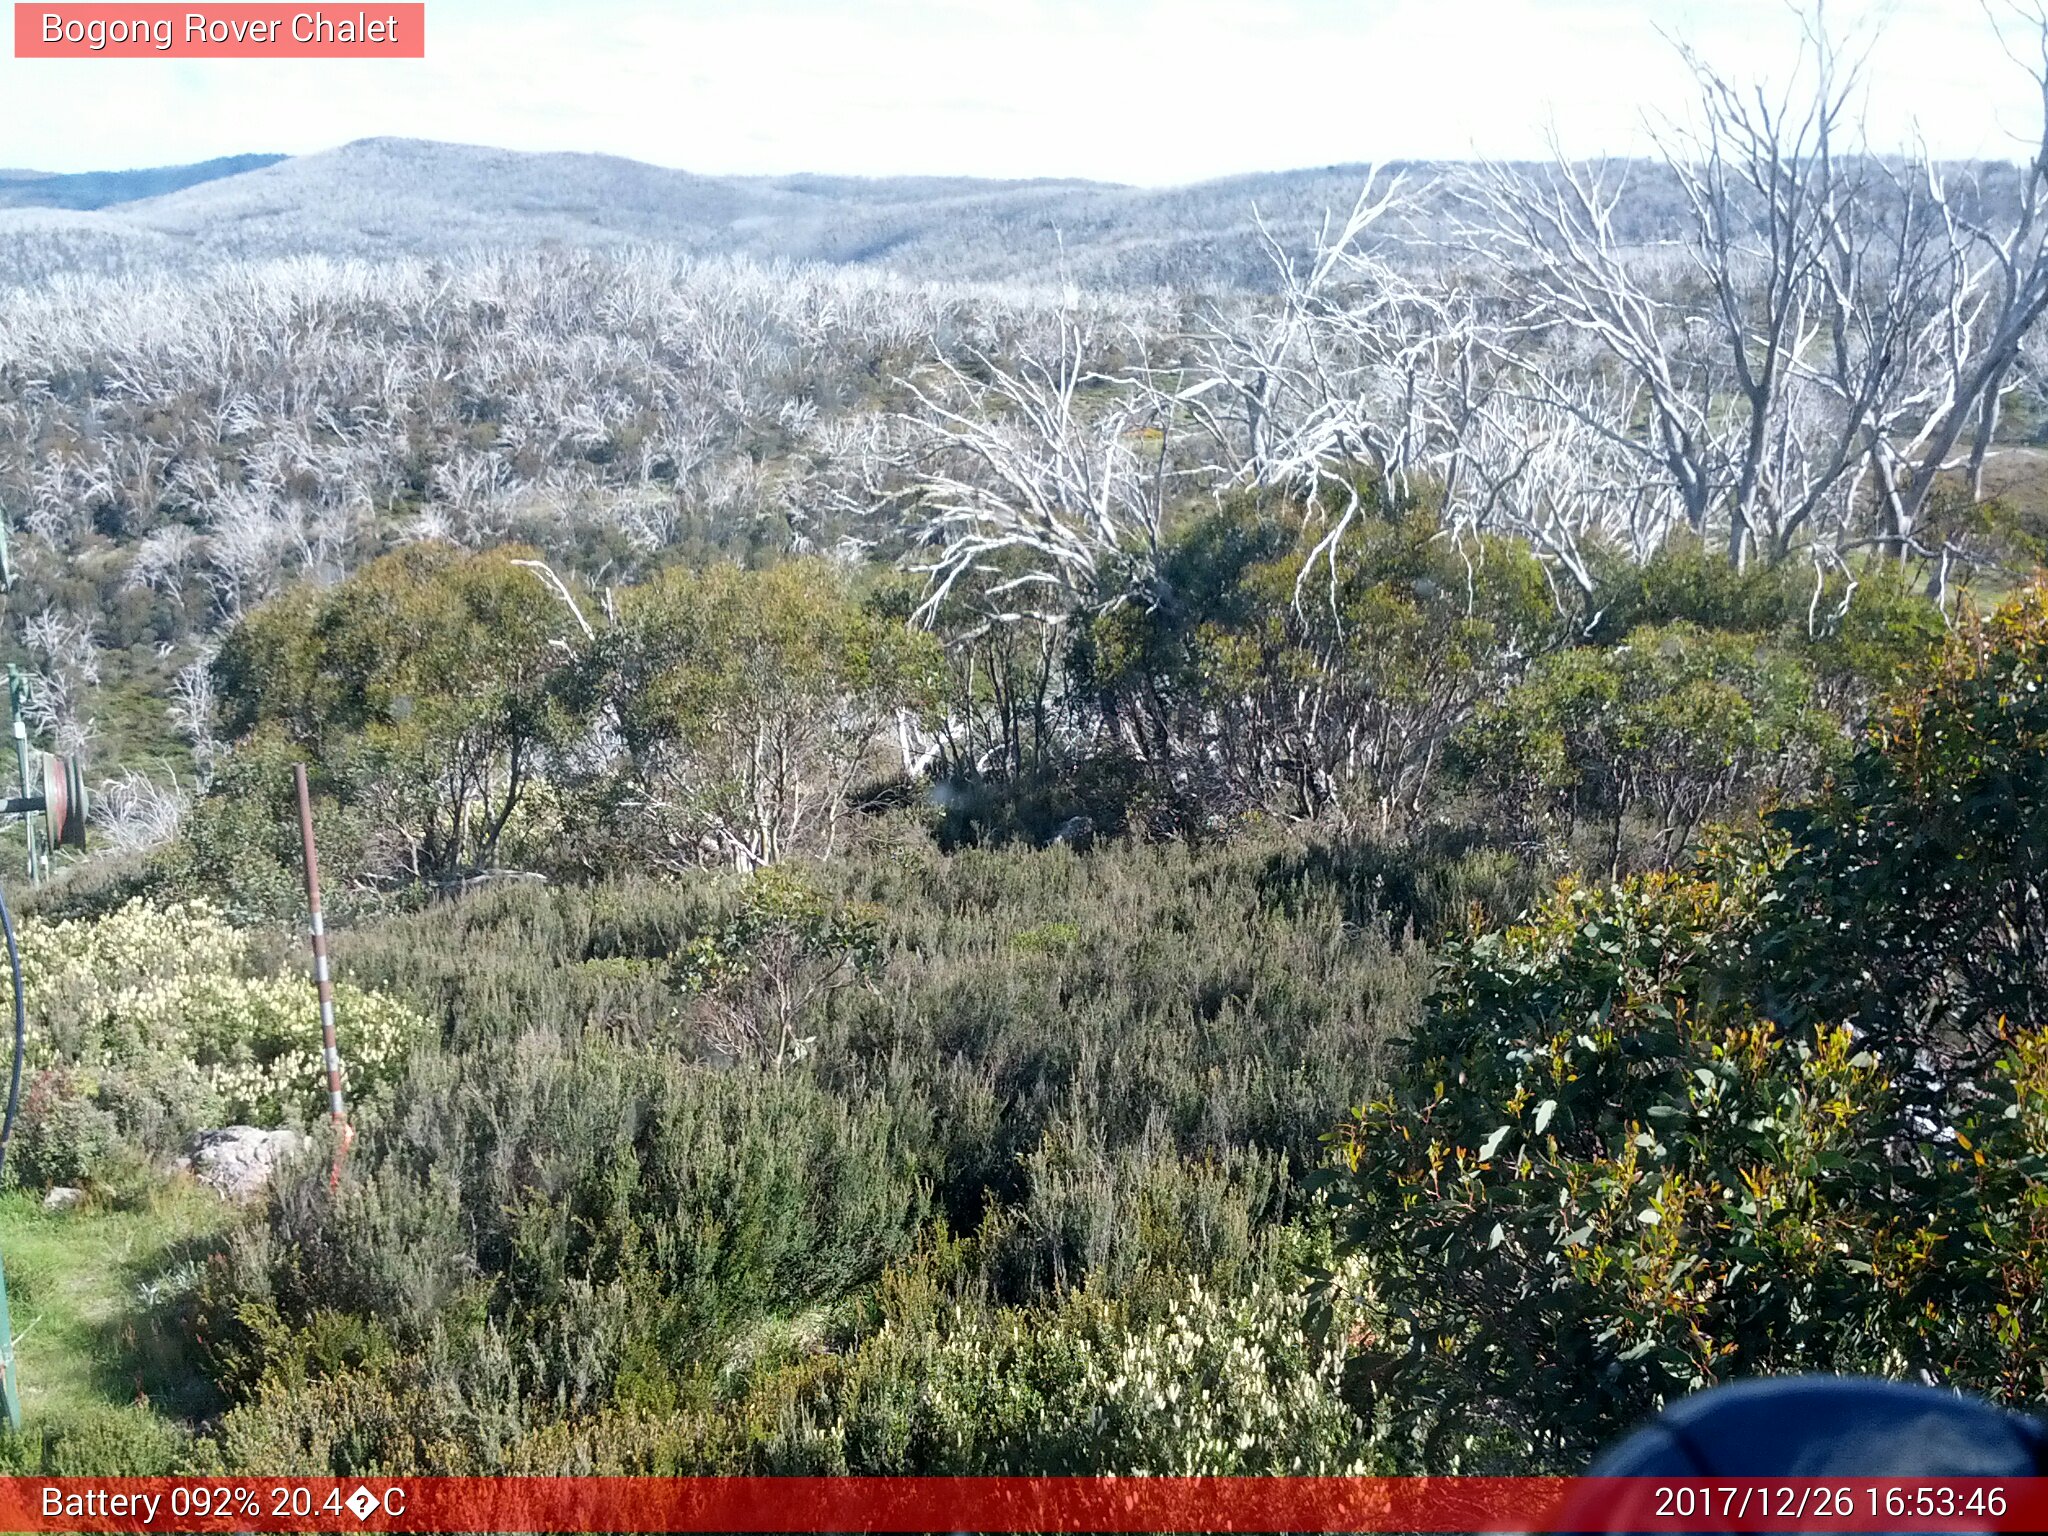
(64, 680)
(1553, 476)
(194, 710)
(134, 812)
(1990, 254)
(1029, 486)
(1841, 334)
(1359, 376)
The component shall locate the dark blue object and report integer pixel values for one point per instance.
(1828, 1426)
(1821, 1427)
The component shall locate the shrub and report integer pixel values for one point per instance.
(151, 1010)
(749, 705)
(1582, 1163)
(1786, 1111)
(1206, 999)
(567, 1244)
(1201, 1005)
(1262, 679)
(1909, 905)
(99, 1442)
(1687, 582)
(608, 1209)
(1202, 1382)
(418, 687)
(779, 957)
(1676, 723)
(238, 848)
(1193, 1379)
(62, 1137)
(1108, 1217)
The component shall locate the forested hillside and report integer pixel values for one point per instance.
(388, 199)
(100, 189)
(384, 199)
(1378, 868)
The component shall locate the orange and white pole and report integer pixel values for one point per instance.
(323, 978)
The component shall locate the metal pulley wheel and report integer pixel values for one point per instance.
(64, 800)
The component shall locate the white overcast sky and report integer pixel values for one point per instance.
(1147, 91)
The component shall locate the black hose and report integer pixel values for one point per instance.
(20, 1029)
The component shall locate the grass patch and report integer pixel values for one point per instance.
(108, 1378)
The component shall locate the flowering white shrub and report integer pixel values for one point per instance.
(166, 990)
(1232, 1384)
(1215, 1384)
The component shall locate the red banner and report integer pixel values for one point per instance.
(233, 31)
(1078, 1504)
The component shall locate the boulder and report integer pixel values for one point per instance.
(239, 1160)
(1075, 832)
(63, 1198)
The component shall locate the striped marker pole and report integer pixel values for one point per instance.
(323, 978)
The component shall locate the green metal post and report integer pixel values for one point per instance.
(10, 1385)
(17, 690)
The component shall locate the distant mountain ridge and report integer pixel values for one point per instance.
(385, 197)
(87, 190)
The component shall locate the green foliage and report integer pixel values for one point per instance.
(1117, 1217)
(419, 686)
(1687, 582)
(784, 949)
(750, 705)
(109, 1379)
(602, 1208)
(1108, 1071)
(1197, 1381)
(1605, 1182)
(671, 1180)
(1431, 881)
(455, 711)
(1208, 1001)
(1230, 995)
(1600, 1182)
(447, 704)
(1299, 688)
(1860, 640)
(149, 1025)
(239, 847)
(922, 1380)
(1677, 723)
(1909, 905)
(62, 1138)
(1785, 1112)
(102, 1442)
(779, 910)
(1886, 637)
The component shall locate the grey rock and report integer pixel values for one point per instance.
(63, 1198)
(239, 1160)
(1076, 832)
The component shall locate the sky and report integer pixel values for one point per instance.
(1154, 92)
